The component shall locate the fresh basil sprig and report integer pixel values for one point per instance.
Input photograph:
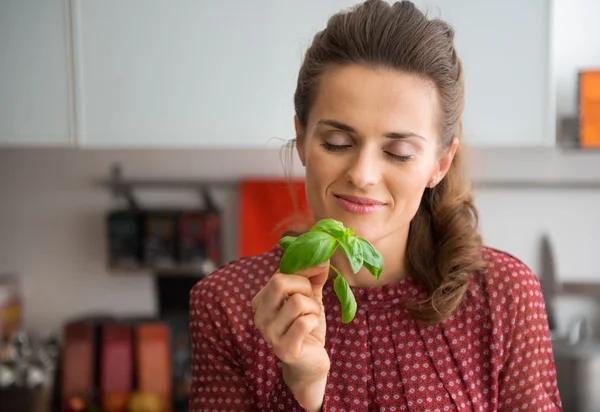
(319, 244)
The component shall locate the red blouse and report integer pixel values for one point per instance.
(494, 354)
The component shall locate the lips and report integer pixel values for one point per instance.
(359, 205)
(361, 200)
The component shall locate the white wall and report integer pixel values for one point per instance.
(576, 46)
(52, 219)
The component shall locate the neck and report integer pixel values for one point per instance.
(393, 251)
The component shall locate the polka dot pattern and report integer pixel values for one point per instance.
(493, 354)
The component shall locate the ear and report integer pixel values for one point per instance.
(299, 140)
(443, 164)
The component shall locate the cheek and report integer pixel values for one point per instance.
(408, 185)
(318, 174)
(321, 166)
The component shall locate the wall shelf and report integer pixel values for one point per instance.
(121, 186)
(579, 288)
(181, 265)
(188, 271)
(536, 184)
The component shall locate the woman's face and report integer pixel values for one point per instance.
(371, 146)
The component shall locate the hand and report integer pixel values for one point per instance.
(289, 314)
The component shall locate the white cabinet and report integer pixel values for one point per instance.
(505, 48)
(216, 74)
(192, 73)
(35, 107)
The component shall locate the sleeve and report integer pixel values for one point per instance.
(281, 398)
(218, 381)
(527, 380)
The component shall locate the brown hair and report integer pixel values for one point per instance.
(401, 37)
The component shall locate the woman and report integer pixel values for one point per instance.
(450, 324)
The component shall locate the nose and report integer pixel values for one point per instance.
(365, 169)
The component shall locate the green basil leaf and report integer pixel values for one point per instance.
(331, 226)
(285, 241)
(353, 251)
(309, 249)
(372, 259)
(346, 298)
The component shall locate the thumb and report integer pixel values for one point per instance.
(317, 275)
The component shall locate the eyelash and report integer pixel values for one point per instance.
(334, 147)
(396, 158)
(339, 148)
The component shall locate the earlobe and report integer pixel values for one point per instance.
(453, 148)
(444, 164)
(433, 182)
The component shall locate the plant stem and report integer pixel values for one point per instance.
(335, 270)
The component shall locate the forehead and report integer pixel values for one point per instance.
(377, 100)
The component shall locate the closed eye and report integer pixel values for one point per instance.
(398, 158)
(341, 147)
(335, 147)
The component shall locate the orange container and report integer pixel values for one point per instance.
(589, 109)
(153, 356)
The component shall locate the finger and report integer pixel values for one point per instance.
(291, 344)
(317, 275)
(297, 305)
(267, 303)
(280, 287)
(314, 270)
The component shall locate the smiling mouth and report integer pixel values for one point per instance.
(364, 201)
(359, 205)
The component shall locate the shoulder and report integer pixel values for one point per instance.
(234, 284)
(505, 272)
(507, 283)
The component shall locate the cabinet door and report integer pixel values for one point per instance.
(34, 73)
(213, 74)
(192, 73)
(504, 46)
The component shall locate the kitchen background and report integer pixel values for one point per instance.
(196, 91)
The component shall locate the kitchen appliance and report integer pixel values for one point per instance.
(577, 359)
(28, 369)
(576, 352)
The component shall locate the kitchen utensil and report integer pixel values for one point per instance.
(549, 281)
(160, 238)
(124, 229)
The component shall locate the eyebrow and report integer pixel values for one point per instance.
(350, 129)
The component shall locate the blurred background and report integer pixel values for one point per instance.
(141, 146)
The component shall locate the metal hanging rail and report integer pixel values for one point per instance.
(122, 187)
